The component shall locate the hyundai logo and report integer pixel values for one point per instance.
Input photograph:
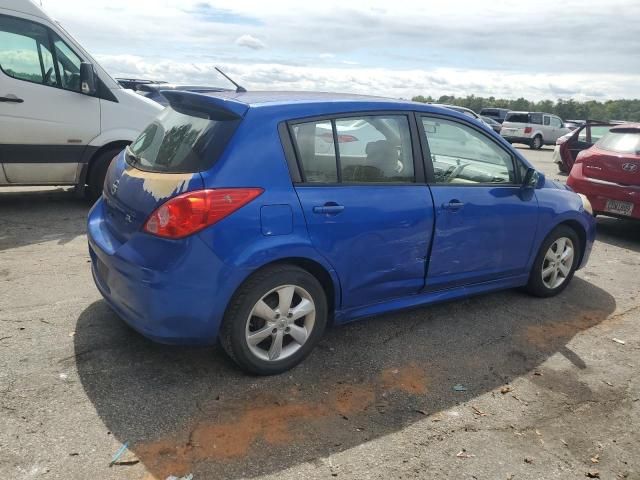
(114, 187)
(630, 167)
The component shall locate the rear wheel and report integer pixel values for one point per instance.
(555, 263)
(561, 168)
(274, 320)
(536, 143)
(98, 172)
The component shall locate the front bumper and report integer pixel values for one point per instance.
(525, 140)
(169, 291)
(599, 191)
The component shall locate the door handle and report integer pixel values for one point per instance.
(329, 208)
(11, 98)
(453, 205)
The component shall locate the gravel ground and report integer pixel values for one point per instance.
(549, 388)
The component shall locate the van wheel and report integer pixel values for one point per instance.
(274, 320)
(536, 143)
(555, 263)
(98, 172)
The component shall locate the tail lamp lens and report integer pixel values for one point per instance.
(190, 212)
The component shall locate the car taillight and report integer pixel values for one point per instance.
(191, 212)
(346, 138)
(527, 129)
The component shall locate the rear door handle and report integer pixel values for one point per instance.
(453, 205)
(329, 208)
(11, 98)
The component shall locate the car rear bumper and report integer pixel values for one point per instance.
(169, 291)
(599, 191)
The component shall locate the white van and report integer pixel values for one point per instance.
(62, 117)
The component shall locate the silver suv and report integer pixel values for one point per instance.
(533, 128)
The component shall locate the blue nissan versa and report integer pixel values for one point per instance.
(255, 218)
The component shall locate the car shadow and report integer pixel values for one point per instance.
(36, 216)
(619, 232)
(190, 410)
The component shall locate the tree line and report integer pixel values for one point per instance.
(623, 109)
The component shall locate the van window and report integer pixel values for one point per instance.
(517, 117)
(180, 142)
(462, 155)
(546, 120)
(555, 122)
(25, 51)
(68, 65)
(535, 118)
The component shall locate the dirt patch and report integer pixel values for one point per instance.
(409, 379)
(548, 335)
(274, 422)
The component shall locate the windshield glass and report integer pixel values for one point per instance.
(621, 141)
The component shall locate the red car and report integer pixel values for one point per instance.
(584, 136)
(608, 173)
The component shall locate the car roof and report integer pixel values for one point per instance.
(149, 87)
(254, 99)
(626, 128)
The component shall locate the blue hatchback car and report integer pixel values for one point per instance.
(255, 219)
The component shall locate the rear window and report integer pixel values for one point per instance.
(517, 118)
(621, 141)
(180, 142)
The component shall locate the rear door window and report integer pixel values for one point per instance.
(366, 149)
(180, 142)
(517, 117)
(535, 118)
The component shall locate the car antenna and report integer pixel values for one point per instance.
(239, 88)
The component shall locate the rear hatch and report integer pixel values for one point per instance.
(518, 124)
(164, 161)
(615, 157)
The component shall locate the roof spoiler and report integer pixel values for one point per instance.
(216, 108)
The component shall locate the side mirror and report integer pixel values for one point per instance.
(87, 79)
(531, 178)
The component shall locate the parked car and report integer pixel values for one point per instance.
(532, 128)
(63, 118)
(571, 144)
(154, 91)
(498, 114)
(573, 124)
(492, 123)
(608, 173)
(134, 83)
(223, 221)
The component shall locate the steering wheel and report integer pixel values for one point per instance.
(47, 76)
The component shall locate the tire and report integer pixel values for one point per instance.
(246, 316)
(541, 282)
(536, 143)
(561, 168)
(98, 172)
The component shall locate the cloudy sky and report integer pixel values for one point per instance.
(536, 49)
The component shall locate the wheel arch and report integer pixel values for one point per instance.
(580, 231)
(91, 153)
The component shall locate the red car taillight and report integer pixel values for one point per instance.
(527, 129)
(192, 211)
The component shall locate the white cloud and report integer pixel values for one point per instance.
(251, 42)
(379, 81)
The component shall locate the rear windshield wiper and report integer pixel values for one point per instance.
(131, 157)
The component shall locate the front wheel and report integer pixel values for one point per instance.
(555, 263)
(98, 172)
(274, 320)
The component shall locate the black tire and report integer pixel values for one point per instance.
(536, 143)
(561, 168)
(98, 172)
(536, 285)
(232, 335)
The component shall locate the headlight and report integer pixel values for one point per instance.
(586, 204)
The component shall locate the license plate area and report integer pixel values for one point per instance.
(618, 207)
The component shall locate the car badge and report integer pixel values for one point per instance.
(630, 167)
(127, 218)
(114, 187)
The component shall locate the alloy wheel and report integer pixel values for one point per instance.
(280, 323)
(557, 263)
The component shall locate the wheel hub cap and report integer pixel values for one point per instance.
(557, 262)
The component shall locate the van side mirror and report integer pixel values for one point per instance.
(531, 178)
(87, 79)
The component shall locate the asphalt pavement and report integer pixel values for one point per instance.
(500, 386)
